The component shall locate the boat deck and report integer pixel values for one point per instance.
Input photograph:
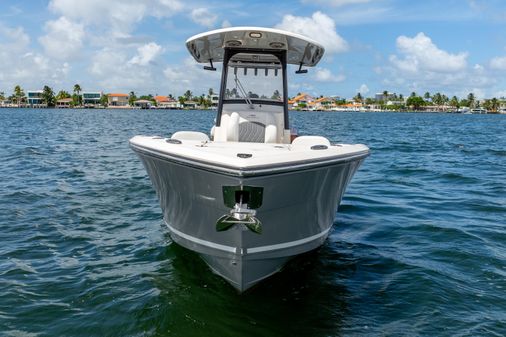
(248, 157)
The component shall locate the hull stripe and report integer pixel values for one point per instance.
(260, 249)
(202, 242)
(288, 244)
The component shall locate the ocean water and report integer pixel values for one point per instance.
(418, 247)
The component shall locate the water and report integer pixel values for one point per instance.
(418, 247)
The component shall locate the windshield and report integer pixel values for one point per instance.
(251, 81)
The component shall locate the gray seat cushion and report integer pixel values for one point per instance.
(252, 132)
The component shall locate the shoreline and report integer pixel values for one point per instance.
(293, 110)
(214, 109)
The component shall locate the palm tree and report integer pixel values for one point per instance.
(437, 99)
(202, 100)
(104, 100)
(471, 100)
(188, 95)
(18, 94)
(48, 96)
(385, 95)
(444, 99)
(358, 98)
(454, 102)
(494, 104)
(62, 94)
(427, 96)
(77, 97)
(131, 98)
(211, 92)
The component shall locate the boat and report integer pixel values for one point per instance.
(479, 111)
(249, 196)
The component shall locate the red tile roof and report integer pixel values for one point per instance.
(161, 99)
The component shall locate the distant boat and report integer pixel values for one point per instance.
(251, 196)
(479, 111)
(464, 110)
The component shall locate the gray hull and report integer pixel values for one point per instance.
(297, 213)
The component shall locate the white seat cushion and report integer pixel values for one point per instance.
(271, 134)
(190, 135)
(308, 141)
(232, 128)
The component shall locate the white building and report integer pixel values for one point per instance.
(34, 97)
(214, 100)
(91, 99)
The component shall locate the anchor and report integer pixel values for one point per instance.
(243, 200)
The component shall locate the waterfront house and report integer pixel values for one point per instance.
(91, 99)
(380, 96)
(161, 100)
(214, 100)
(165, 102)
(300, 101)
(143, 103)
(64, 103)
(320, 104)
(117, 100)
(34, 98)
(352, 106)
(190, 105)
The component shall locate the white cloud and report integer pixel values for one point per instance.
(500, 93)
(111, 69)
(498, 63)
(64, 38)
(325, 75)
(204, 17)
(421, 54)
(337, 3)
(226, 24)
(319, 27)
(119, 15)
(14, 38)
(115, 69)
(21, 66)
(478, 68)
(190, 75)
(146, 54)
(363, 90)
(422, 66)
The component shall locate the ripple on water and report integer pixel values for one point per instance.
(418, 245)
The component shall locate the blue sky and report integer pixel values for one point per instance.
(453, 46)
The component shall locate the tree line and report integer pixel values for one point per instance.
(391, 101)
(49, 97)
(414, 101)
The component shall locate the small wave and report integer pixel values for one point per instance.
(458, 177)
(20, 333)
(73, 173)
(500, 153)
(31, 150)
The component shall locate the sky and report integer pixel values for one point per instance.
(450, 46)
